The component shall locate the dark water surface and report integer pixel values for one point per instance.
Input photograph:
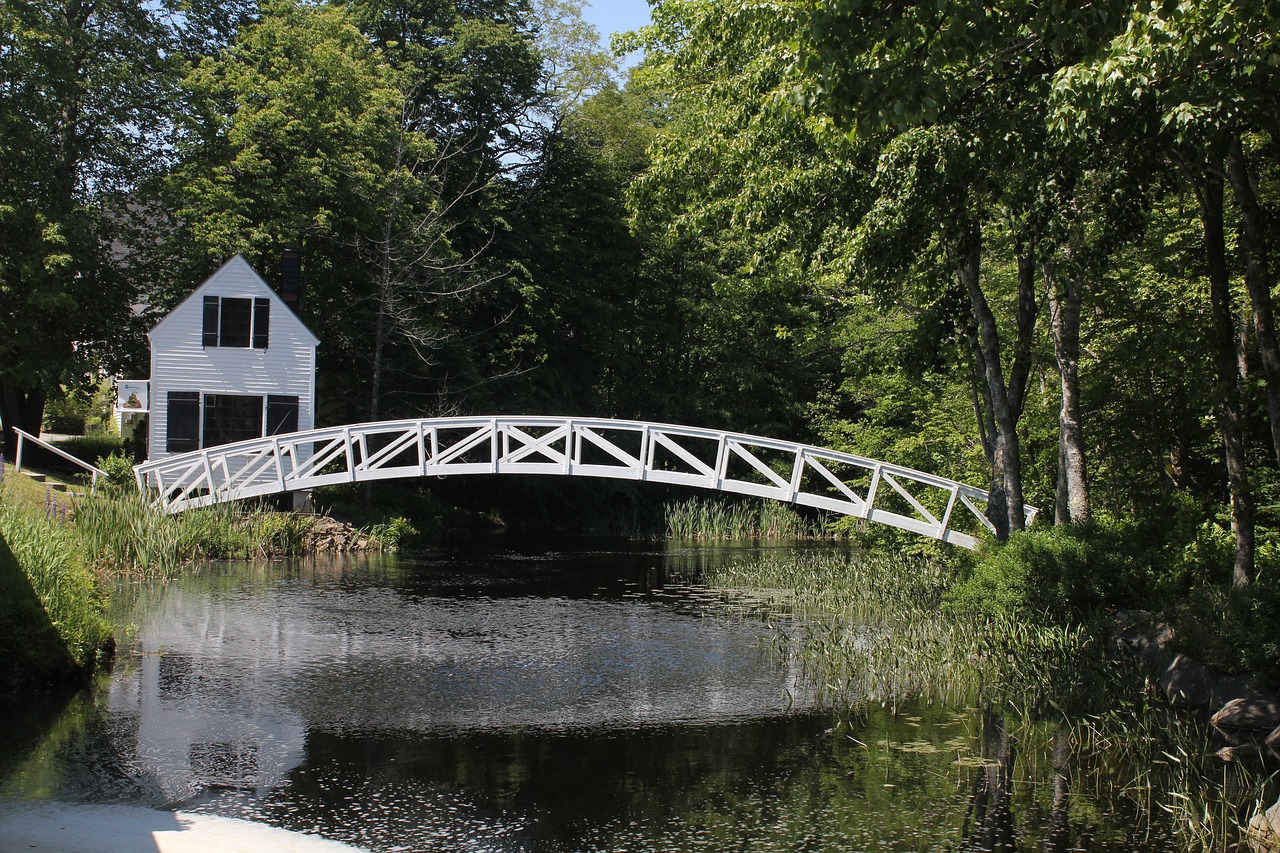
(498, 700)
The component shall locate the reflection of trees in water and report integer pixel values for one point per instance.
(989, 825)
(70, 750)
(1057, 837)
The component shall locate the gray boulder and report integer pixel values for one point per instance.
(1264, 830)
(1192, 684)
(1248, 713)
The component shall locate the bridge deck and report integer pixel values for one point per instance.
(799, 474)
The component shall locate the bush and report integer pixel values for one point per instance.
(388, 535)
(119, 468)
(1237, 630)
(1062, 572)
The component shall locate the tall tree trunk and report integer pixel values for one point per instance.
(1007, 465)
(1026, 326)
(1257, 279)
(1208, 189)
(997, 505)
(22, 408)
(1064, 320)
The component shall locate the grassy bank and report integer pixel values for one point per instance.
(52, 627)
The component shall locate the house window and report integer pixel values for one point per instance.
(282, 415)
(184, 421)
(231, 417)
(234, 321)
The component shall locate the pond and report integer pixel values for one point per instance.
(497, 698)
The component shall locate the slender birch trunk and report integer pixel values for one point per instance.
(1064, 294)
(1006, 464)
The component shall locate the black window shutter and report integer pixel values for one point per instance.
(184, 421)
(282, 415)
(210, 321)
(261, 322)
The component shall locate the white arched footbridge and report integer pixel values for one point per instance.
(742, 464)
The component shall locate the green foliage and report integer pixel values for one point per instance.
(1236, 630)
(66, 415)
(873, 629)
(123, 533)
(79, 133)
(1064, 573)
(119, 468)
(74, 411)
(389, 535)
(52, 626)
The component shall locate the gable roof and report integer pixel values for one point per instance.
(249, 284)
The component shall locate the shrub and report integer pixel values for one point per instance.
(119, 468)
(1063, 572)
(388, 535)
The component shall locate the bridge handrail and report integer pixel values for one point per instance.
(189, 473)
(23, 436)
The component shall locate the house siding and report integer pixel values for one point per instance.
(179, 361)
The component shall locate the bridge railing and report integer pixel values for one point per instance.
(738, 463)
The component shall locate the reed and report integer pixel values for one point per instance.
(711, 518)
(122, 533)
(869, 628)
(1164, 764)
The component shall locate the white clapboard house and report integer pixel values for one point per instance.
(232, 362)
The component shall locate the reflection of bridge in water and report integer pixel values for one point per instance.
(798, 474)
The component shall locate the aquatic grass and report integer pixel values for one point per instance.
(872, 628)
(123, 533)
(1165, 764)
(714, 518)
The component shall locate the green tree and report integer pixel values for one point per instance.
(84, 89)
(300, 139)
(1192, 80)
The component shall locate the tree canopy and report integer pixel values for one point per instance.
(1025, 244)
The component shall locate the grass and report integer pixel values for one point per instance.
(1164, 764)
(124, 534)
(710, 518)
(52, 623)
(872, 629)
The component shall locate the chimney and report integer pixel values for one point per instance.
(291, 279)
